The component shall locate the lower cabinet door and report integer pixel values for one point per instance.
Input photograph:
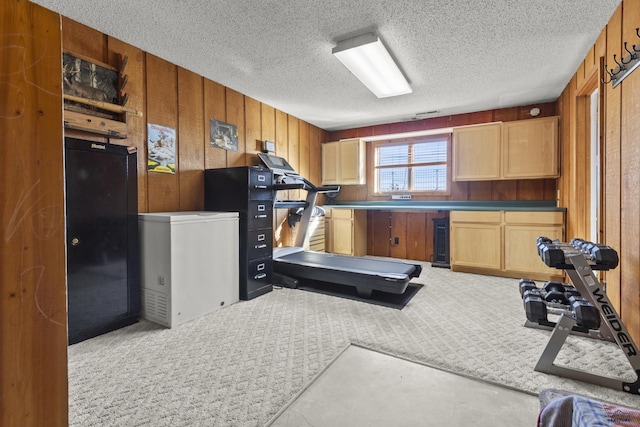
(521, 252)
(342, 236)
(476, 245)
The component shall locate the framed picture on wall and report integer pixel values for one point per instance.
(223, 135)
(161, 149)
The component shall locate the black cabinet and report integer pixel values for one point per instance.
(103, 267)
(248, 191)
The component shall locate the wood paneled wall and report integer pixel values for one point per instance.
(33, 317)
(415, 229)
(620, 162)
(174, 97)
(33, 380)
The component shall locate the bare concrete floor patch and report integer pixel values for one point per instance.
(368, 388)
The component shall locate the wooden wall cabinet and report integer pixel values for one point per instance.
(344, 162)
(530, 149)
(346, 231)
(523, 149)
(503, 243)
(477, 152)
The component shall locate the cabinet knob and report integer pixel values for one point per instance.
(75, 241)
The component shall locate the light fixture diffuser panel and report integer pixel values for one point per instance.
(368, 59)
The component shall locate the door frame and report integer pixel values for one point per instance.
(591, 83)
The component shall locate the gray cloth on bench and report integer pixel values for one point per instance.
(561, 409)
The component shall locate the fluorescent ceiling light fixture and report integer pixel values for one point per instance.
(367, 58)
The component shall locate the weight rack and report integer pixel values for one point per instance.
(579, 265)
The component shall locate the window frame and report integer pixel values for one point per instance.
(411, 141)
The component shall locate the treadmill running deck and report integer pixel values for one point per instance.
(366, 274)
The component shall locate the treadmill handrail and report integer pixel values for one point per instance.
(289, 186)
(328, 188)
(303, 184)
(309, 186)
(290, 204)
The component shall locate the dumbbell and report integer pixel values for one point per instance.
(554, 254)
(525, 285)
(581, 244)
(570, 290)
(551, 255)
(552, 285)
(532, 292)
(545, 242)
(535, 308)
(577, 243)
(555, 293)
(587, 247)
(586, 314)
(541, 241)
(604, 256)
(565, 288)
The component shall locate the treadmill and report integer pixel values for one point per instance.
(291, 264)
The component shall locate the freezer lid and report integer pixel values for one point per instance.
(184, 217)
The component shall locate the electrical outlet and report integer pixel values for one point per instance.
(401, 197)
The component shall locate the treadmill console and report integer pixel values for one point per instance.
(278, 165)
(286, 178)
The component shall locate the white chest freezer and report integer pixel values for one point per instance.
(189, 264)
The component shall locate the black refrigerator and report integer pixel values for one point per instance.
(103, 255)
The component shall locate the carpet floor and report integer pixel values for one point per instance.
(240, 365)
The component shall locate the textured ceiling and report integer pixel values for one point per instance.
(459, 56)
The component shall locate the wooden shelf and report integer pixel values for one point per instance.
(94, 124)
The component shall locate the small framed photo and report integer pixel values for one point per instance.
(269, 146)
(223, 135)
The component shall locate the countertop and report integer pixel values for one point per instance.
(444, 205)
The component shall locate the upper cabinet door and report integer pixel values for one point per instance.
(352, 163)
(530, 148)
(330, 163)
(477, 152)
(343, 162)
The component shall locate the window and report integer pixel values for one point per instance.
(413, 165)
